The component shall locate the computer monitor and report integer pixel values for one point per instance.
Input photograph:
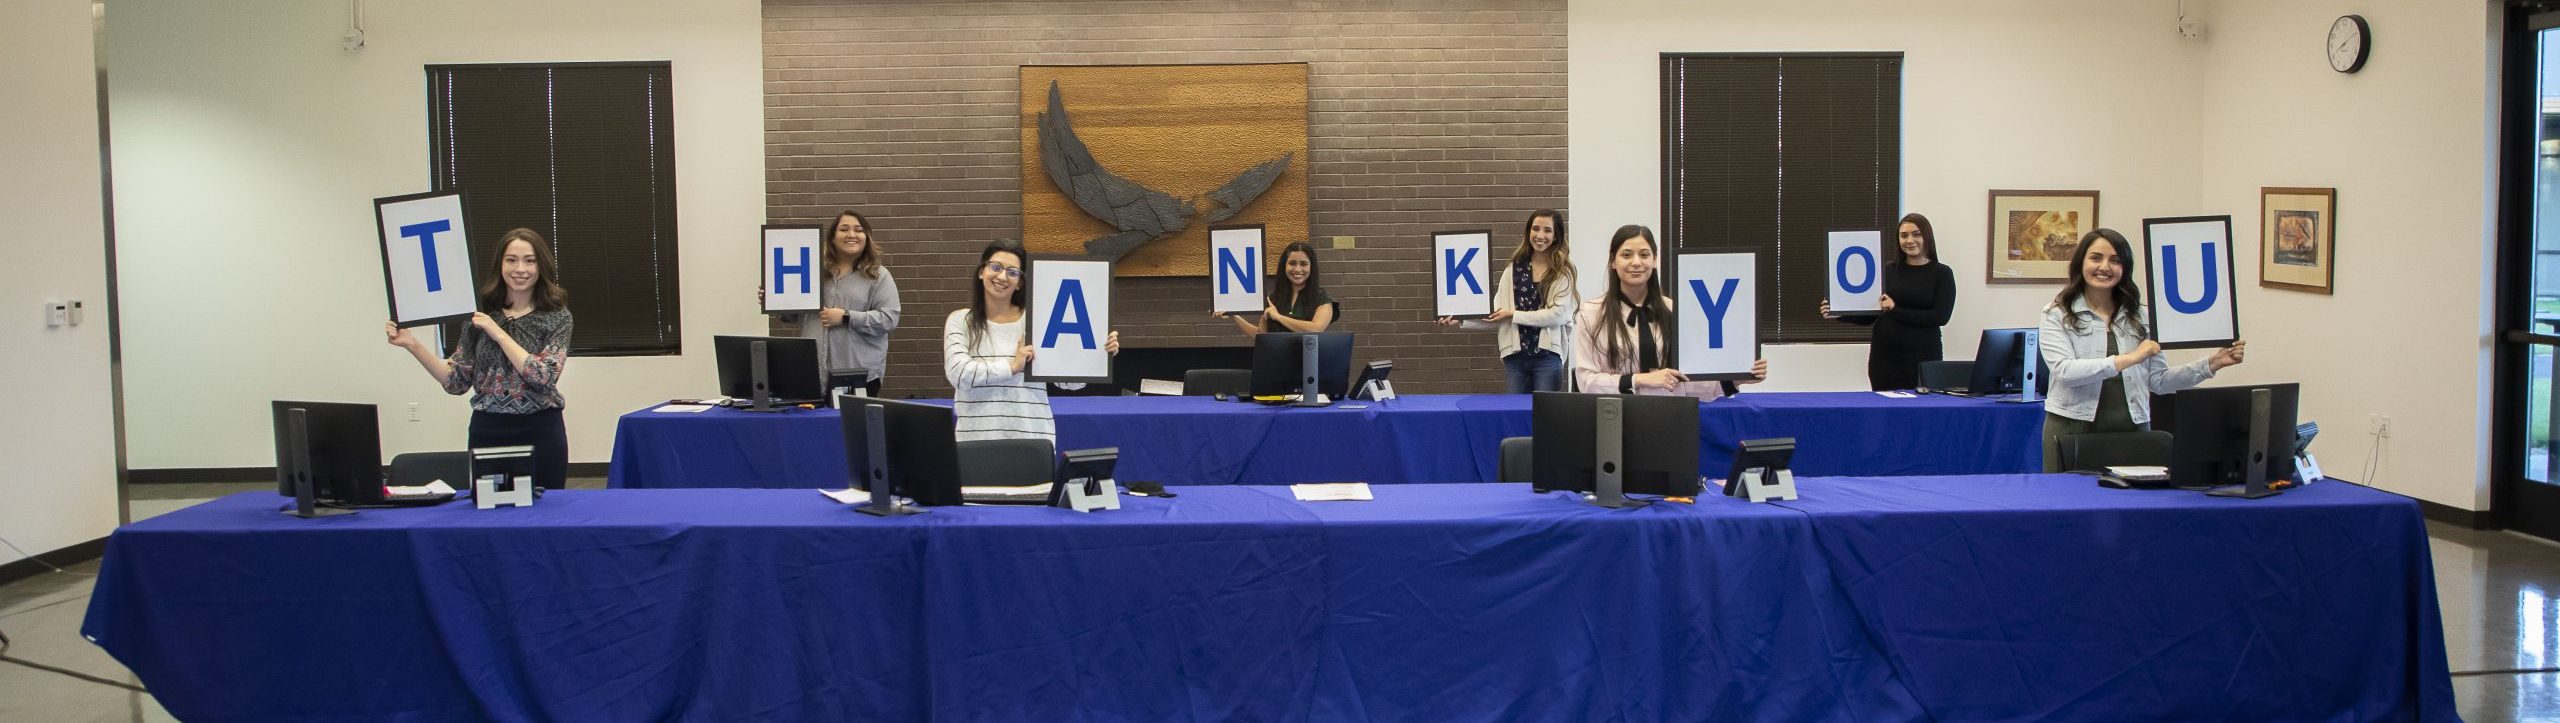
(2000, 364)
(1655, 439)
(2220, 437)
(1279, 364)
(921, 460)
(769, 370)
(337, 446)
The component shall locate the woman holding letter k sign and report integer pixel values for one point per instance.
(1619, 340)
(511, 363)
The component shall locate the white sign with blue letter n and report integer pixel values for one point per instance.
(1235, 269)
(1716, 299)
(794, 268)
(1462, 273)
(1857, 272)
(426, 258)
(2188, 275)
(1069, 310)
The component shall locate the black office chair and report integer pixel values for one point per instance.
(1206, 382)
(418, 468)
(2091, 452)
(1515, 459)
(1006, 462)
(1938, 376)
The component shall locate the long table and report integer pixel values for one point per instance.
(1438, 438)
(2016, 597)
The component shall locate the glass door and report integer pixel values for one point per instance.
(2527, 484)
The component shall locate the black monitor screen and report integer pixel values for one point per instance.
(924, 461)
(2210, 426)
(1276, 358)
(1999, 363)
(1658, 440)
(791, 367)
(346, 451)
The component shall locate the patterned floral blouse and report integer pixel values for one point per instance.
(480, 365)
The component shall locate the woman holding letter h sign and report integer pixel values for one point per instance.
(1621, 338)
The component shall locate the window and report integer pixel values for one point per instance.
(582, 153)
(1772, 152)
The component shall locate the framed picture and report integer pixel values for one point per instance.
(2031, 234)
(2297, 239)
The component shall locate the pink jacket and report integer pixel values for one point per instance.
(1592, 370)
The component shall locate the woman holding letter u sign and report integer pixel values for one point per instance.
(1619, 342)
(984, 353)
(511, 362)
(2103, 365)
(1533, 307)
(1919, 295)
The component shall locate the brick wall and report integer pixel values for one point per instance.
(1423, 116)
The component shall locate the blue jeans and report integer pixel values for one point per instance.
(1534, 370)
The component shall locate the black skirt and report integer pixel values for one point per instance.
(543, 431)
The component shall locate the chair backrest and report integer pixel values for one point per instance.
(1938, 375)
(1206, 382)
(2091, 452)
(1006, 462)
(418, 468)
(1515, 458)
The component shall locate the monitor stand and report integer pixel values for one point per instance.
(2260, 403)
(1309, 371)
(884, 501)
(761, 380)
(1609, 455)
(306, 493)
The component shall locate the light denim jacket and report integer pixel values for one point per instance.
(2076, 365)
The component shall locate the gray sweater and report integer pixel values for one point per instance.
(862, 341)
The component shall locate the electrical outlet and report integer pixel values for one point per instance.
(413, 411)
(2382, 425)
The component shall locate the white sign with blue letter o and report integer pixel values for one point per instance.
(2187, 276)
(1462, 273)
(1069, 310)
(794, 268)
(1235, 269)
(1716, 300)
(426, 257)
(1857, 272)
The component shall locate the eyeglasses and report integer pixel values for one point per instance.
(999, 268)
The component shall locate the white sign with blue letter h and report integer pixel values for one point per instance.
(1716, 298)
(426, 258)
(793, 268)
(1235, 269)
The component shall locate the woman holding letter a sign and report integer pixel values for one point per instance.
(1919, 295)
(984, 352)
(2104, 365)
(1619, 338)
(511, 363)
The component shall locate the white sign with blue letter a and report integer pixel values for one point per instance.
(1069, 310)
(1857, 273)
(1462, 273)
(794, 268)
(426, 259)
(1235, 269)
(1715, 298)
(2188, 276)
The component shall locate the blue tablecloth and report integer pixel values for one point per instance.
(1432, 438)
(2002, 597)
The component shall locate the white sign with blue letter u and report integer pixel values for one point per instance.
(2188, 277)
(794, 268)
(426, 258)
(1235, 269)
(1069, 310)
(1716, 301)
(1462, 273)
(1857, 272)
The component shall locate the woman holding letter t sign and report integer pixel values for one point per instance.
(511, 363)
(1619, 340)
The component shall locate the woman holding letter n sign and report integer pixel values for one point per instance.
(511, 362)
(2103, 366)
(1619, 341)
(1919, 295)
(1297, 301)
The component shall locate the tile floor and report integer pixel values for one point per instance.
(2500, 594)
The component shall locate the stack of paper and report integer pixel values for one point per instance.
(1332, 492)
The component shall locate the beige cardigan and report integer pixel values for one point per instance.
(1556, 318)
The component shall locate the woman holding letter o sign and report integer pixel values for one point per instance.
(984, 353)
(1919, 295)
(511, 362)
(1297, 302)
(1533, 307)
(858, 310)
(1619, 341)
(2103, 365)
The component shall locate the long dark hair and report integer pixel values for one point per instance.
(547, 294)
(1559, 256)
(1613, 307)
(868, 262)
(2127, 295)
(978, 289)
(1928, 240)
(1280, 277)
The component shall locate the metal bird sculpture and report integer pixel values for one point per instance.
(1141, 214)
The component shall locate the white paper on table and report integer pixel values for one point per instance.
(682, 408)
(1160, 387)
(1332, 492)
(848, 495)
(437, 487)
(1897, 394)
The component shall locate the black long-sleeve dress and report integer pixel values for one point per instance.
(1923, 298)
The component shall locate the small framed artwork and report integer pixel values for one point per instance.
(2297, 239)
(2031, 234)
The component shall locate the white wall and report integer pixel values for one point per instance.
(58, 487)
(248, 148)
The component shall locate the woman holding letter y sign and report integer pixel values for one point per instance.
(1619, 341)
